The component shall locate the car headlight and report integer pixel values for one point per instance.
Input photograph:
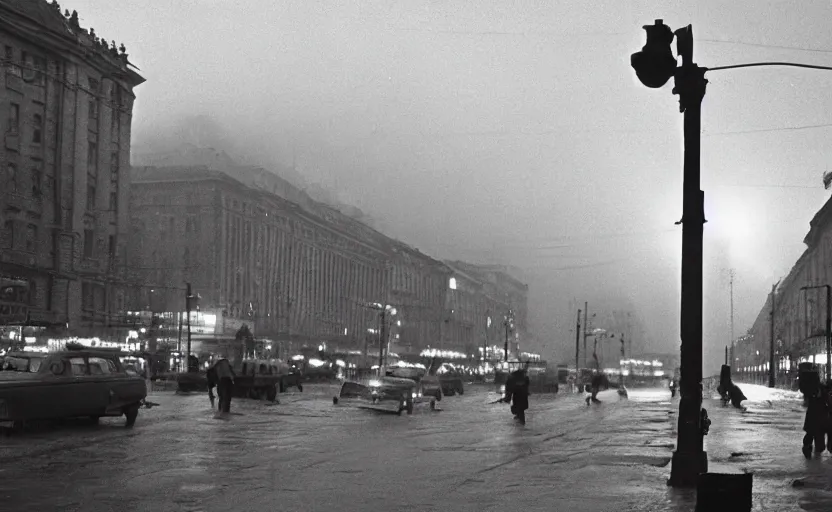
(502, 389)
(375, 383)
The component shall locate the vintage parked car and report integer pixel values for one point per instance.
(77, 382)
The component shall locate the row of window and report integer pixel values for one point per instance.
(31, 243)
(14, 123)
(30, 68)
(32, 239)
(14, 181)
(90, 249)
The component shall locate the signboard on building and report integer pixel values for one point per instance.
(14, 301)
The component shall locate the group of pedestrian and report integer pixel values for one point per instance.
(517, 392)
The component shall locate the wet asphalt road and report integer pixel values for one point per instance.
(307, 455)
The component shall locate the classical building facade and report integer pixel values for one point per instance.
(799, 314)
(66, 100)
(298, 275)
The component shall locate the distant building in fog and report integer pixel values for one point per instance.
(295, 276)
(66, 104)
(482, 300)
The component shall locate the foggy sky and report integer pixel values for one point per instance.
(516, 132)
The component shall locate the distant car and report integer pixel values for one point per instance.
(72, 383)
(451, 384)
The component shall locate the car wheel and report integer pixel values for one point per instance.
(334, 400)
(95, 419)
(451, 392)
(300, 387)
(460, 391)
(271, 393)
(131, 413)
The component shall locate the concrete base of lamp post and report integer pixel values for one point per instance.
(685, 468)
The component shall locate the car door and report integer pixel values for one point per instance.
(105, 377)
(122, 388)
(56, 396)
(83, 401)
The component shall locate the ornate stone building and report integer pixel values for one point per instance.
(66, 101)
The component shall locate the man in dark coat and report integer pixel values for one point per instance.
(517, 393)
(816, 422)
(221, 374)
(598, 380)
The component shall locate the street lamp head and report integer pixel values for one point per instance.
(655, 63)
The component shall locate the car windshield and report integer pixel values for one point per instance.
(21, 364)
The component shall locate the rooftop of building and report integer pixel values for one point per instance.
(481, 272)
(66, 26)
(321, 212)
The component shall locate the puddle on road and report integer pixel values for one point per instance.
(197, 487)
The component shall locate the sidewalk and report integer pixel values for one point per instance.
(765, 439)
(621, 462)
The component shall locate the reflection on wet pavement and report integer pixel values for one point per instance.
(306, 454)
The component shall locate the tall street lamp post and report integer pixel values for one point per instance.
(828, 328)
(654, 65)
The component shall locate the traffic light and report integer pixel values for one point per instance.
(655, 63)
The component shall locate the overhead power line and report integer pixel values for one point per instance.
(762, 45)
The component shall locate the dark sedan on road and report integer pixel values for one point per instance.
(78, 382)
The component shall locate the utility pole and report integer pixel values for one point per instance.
(485, 339)
(731, 285)
(772, 368)
(654, 66)
(179, 343)
(505, 346)
(726, 354)
(577, 344)
(188, 312)
(586, 333)
(382, 338)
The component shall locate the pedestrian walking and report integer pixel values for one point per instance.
(817, 422)
(517, 394)
(598, 380)
(221, 374)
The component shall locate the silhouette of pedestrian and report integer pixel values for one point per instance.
(517, 394)
(816, 424)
